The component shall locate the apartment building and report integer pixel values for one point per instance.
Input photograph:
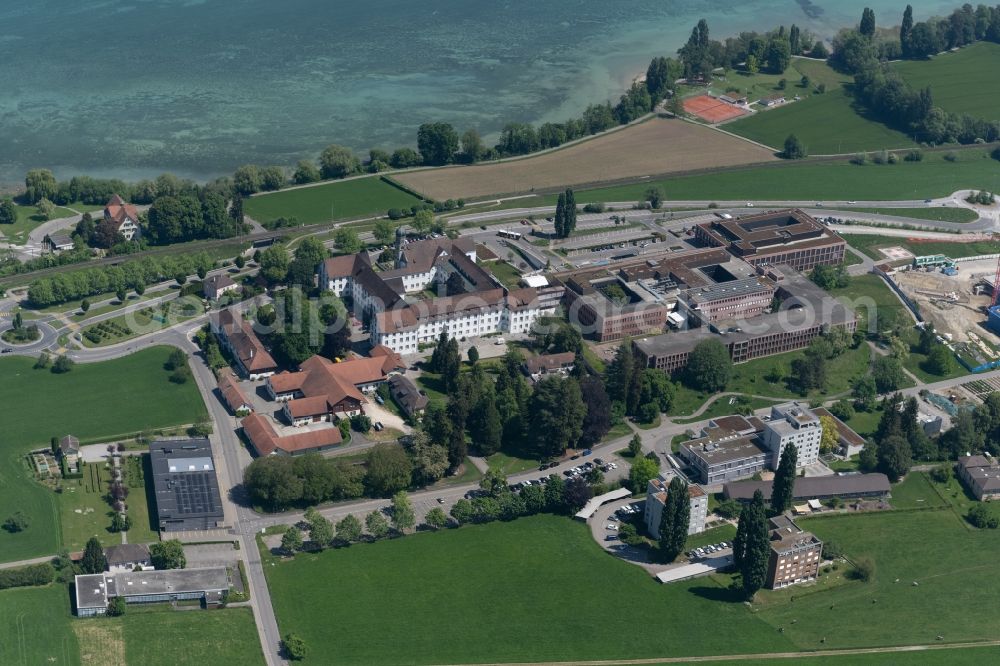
(727, 449)
(793, 423)
(795, 554)
(656, 500)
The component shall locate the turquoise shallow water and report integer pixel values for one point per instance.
(131, 88)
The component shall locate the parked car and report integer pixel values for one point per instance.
(611, 526)
(587, 452)
(440, 500)
(598, 461)
(378, 426)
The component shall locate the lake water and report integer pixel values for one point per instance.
(131, 88)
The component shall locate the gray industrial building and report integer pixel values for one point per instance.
(94, 591)
(185, 485)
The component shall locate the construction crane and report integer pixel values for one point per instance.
(996, 285)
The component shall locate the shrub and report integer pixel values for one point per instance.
(981, 517)
(864, 569)
(599, 207)
(951, 156)
(917, 155)
(116, 607)
(294, 646)
(31, 575)
(831, 550)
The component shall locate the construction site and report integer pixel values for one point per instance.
(955, 296)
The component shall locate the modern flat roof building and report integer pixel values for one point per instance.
(779, 237)
(94, 591)
(806, 312)
(185, 486)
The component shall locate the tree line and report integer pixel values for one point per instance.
(130, 275)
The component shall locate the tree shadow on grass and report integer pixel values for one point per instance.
(716, 593)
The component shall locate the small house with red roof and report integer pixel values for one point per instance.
(124, 217)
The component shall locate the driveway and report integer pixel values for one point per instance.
(599, 530)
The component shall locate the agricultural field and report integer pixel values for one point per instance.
(35, 627)
(336, 200)
(156, 635)
(112, 398)
(956, 79)
(838, 180)
(657, 146)
(870, 244)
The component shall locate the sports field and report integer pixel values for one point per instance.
(94, 401)
(337, 200)
(956, 79)
(656, 146)
(933, 177)
(711, 109)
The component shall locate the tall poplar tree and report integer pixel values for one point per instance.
(782, 490)
(753, 545)
(674, 520)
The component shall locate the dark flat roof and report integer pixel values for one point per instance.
(184, 480)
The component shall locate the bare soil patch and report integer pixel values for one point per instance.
(657, 146)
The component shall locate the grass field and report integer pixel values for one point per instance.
(870, 243)
(753, 378)
(955, 81)
(935, 213)
(550, 601)
(841, 180)
(35, 627)
(337, 200)
(537, 589)
(656, 146)
(828, 124)
(94, 401)
(157, 636)
(953, 567)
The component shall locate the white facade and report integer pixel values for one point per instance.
(793, 423)
(656, 494)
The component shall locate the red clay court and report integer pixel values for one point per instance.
(712, 110)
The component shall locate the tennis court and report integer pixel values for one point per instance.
(711, 110)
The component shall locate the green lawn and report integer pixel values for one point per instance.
(725, 532)
(869, 244)
(549, 600)
(828, 124)
(933, 177)
(35, 627)
(870, 295)
(934, 656)
(536, 589)
(754, 378)
(510, 464)
(28, 219)
(162, 637)
(933, 213)
(956, 82)
(507, 274)
(95, 402)
(954, 567)
(338, 200)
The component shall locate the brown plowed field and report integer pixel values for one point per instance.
(655, 147)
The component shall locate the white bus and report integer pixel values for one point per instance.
(504, 233)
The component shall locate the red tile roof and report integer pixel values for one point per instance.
(118, 211)
(231, 392)
(266, 441)
(390, 360)
(306, 407)
(245, 343)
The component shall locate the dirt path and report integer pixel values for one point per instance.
(741, 657)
